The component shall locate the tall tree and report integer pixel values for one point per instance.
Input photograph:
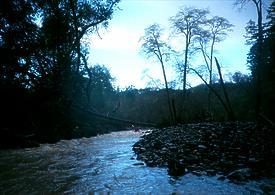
(153, 46)
(77, 18)
(45, 58)
(187, 23)
(101, 87)
(267, 66)
(18, 41)
(257, 76)
(214, 30)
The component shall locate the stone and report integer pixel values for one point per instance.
(240, 174)
(150, 163)
(197, 173)
(268, 188)
(176, 168)
(191, 158)
(142, 149)
(252, 160)
(221, 178)
(138, 164)
(202, 146)
(212, 148)
(211, 172)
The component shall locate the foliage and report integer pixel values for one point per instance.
(149, 105)
(43, 73)
(239, 77)
(264, 68)
(101, 88)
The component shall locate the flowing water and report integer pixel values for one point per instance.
(98, 165)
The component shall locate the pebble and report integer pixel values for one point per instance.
(138, 164)
(231, 149)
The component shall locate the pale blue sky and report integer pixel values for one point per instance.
(119, 48)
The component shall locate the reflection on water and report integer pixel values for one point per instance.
(99, 164)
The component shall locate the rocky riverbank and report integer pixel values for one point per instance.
(238, 151)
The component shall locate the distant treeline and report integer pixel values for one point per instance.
(149, 105)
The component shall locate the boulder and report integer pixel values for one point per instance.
(138, 164)
(176, 167)
(240, 175)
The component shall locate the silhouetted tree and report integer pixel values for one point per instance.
(187, 23)
(214, 30)
(64, 25)
(265, 70)
(101, 87)
(239, 77)
(231, 115)
(18, 41)
(258, 66)
(45, 61)
(153, 46)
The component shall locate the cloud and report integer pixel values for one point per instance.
(115, 38)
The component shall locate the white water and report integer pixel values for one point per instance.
(99, 164)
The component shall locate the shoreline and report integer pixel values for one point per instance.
(238, 151)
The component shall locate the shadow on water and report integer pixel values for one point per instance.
(99, 164)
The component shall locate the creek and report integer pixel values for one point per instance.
(98, 165)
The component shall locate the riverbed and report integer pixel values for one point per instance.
(101, 164)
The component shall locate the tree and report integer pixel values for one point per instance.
(231, 115)
(77, 19)
(101, 87)
(18, 41)
(258, 65)
(238, 78)
(45, 61)
(187, 22)
(225, 103)
(214, 30)
(266, 69)
(153, 46)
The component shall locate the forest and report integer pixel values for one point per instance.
(49, 91)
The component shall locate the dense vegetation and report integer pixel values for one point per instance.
(50, 92)
(43, 68)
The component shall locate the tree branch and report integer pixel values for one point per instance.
(213, 90)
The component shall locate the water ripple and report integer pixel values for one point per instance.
(98, 164)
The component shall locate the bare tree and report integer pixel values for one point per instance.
(225, 103)
(153, 46)
(214, 30)
(231, 115)
(187, 22)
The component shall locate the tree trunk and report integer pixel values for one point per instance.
(231, 115)
(73, 5)
(211, 76)
(174, 110)
(172, 119)
(214, 92)
(185, 68)
(258, 78)
(159, 55)
(185, 74)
